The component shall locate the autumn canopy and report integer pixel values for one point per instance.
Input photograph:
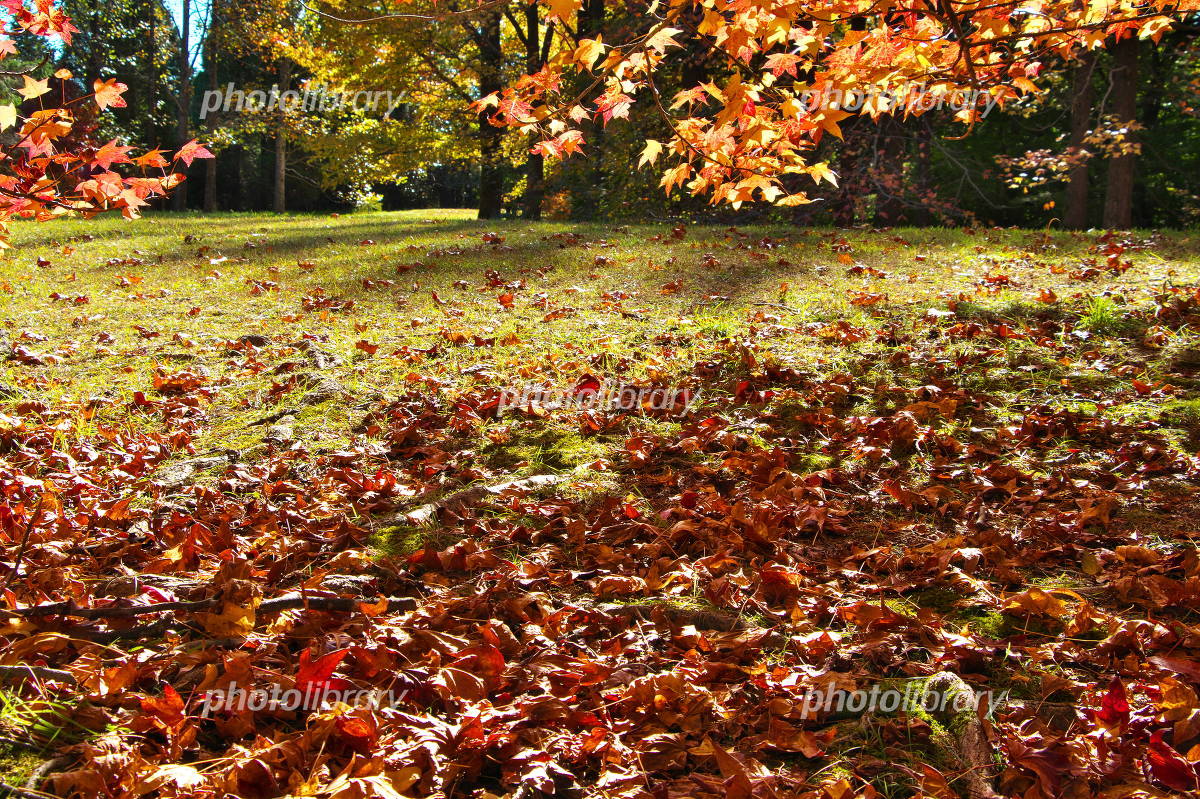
(791, 62)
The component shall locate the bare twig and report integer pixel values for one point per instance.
(39, 672)
(286, 602)
(46, 769)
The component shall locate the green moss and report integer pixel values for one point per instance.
(17, 764)
(995, 625)
(1182, 414)
(403, 540)
(942, 600)
(539, 448)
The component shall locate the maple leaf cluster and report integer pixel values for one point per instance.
(743, 137)
(54, 168)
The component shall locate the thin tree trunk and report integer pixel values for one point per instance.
(889, 171)
(184, 105)
(1075, 215)
(923, 173)
(210, 65)
(850, 183)
(534, 162)
(585, 172)
(591, 25)
(491, 181)
(1118, 196)
(285, 74)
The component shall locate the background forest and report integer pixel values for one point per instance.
(1132, 109)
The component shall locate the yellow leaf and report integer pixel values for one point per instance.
(1037, 602)
(821, 171)
(1089, 563)
(588, 51)
(33, 88)
(1026, 84)
(232, 621)
(663, 38)
(793, 200)
(828, 120)
(8, 116)
(711, 23)
(651, 153)
(563, 8)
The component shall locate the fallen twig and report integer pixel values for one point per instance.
(473, 495)
(39, 672)
(7, 790)
(41, 772)
(276, 605)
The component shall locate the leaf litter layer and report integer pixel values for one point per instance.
(907, 458)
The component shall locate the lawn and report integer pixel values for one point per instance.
(890, 458)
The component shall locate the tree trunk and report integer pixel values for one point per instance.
(1118, 197)
(587, 169)
(1075, 215)
(534, 162)
(849, 171)
(244, 167)
(923, 173)
(888, 171)
(285, 74)
(210, 65)
(491, 181)
(184, 103)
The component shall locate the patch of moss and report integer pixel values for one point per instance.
(991, 625)
(544, 448)
(1184, 415)
(17, 764)
(942, 600)
(402, 540)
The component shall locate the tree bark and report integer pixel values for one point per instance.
(1118, 196)
(889, 171)
(1075, 215)
(923, 173)
(534, 162)
(184, 104)
(844, 204)
(210, 65)
(587, 169)
(491, 56)
(280, 205)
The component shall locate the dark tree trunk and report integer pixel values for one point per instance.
(491, 180)
(923, 173)
(889, 171)
(1153, 204)
(1075, 215)
(589, 168)
(245, 167)
(534, 162)
(280, 203)
(184, 104)
(849, 171)
(1118, 196)
(210, 65)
